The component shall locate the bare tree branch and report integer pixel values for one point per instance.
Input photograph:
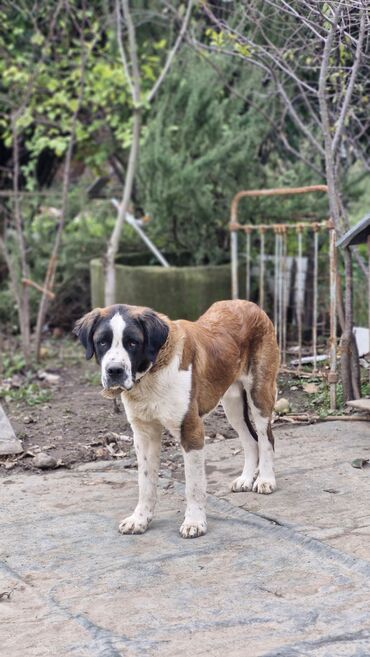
(113, 244)
(172, 53)
(122, 49)
(349, 90)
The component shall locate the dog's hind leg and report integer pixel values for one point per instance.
(237, 412)
(147, 440)
(260, 394)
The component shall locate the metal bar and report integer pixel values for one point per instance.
(368, 289)
(234, 265)
(279, 191)
(305, 224)
(276, 261)
(262, 269)
(284, 296)
(280, 294)
(248, 265)
(333, 320)
(315, 297)
(132, 222)
(299, 295)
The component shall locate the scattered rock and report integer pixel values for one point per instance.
(17, 381)
(44, 461)
(294, 388)
(360, 463)
(282, 406)
(28, 419)
(129, 463)
(127, 439)
(49, 377)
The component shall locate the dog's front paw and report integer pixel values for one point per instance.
(242, 484)
(193, 528)
(134, 525)
(264, 485)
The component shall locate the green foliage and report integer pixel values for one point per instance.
(47, 58)
(88, 227)
(12, 364)
(204, 144)
(32, 394)
(200, 148)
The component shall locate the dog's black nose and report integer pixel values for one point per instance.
(115, 371)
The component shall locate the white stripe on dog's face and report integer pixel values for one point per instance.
(117, 354)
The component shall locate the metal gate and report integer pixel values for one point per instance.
(278, 248)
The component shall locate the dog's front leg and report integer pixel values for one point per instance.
(195, 522)
(147, 440)
(192, 443)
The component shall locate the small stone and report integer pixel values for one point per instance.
(44, 461)
(282, 406)
(294, 388)
(129, 463)
(49, 377)
(28, 419)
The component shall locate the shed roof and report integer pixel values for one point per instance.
(357, 234)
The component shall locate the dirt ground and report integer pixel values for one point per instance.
(69, 419)
(56, 407)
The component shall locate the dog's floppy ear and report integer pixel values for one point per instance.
(155, 333)
(84, 329)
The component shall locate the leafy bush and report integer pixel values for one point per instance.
(200, 148)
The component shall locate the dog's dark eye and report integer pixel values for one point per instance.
(102, 343)
(132, 344)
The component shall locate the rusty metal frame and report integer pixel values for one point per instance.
(235, 227)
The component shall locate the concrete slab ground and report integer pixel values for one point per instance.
(9, 443)
(283, 575)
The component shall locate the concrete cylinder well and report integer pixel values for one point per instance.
(179, 292)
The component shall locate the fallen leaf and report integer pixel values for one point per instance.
(311, 388)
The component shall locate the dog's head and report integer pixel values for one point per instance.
(125, 341)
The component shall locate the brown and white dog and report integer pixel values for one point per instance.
(171, 374)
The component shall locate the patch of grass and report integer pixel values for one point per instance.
(12, 364)
(321, 401)
(32, 394)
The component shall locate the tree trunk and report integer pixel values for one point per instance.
(24, 300)
(53, 260)
(349, 363)
(113, 245)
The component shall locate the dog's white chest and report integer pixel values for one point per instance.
(163, 397)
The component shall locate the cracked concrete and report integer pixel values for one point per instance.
(282, 575)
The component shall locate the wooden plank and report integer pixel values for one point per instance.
(361, 404)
